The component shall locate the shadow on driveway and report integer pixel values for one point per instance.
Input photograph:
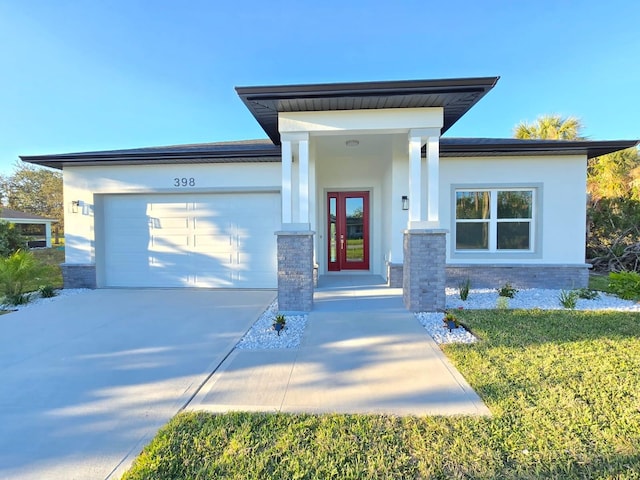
(87, 378)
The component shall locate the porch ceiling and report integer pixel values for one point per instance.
(456, 96)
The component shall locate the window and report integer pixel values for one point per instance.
(495, 220)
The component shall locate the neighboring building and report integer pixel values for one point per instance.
(37, 229)
(355, 177)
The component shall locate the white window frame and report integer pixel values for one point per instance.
(493, 220)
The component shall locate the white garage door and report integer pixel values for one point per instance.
(174, 240)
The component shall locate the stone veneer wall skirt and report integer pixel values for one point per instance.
(295, 271)
(78, 276)
(519, 275)
(423, 282)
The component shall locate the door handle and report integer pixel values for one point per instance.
(342, 242)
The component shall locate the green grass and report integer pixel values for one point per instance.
(563, 387)
(53, 257)
(598, 281)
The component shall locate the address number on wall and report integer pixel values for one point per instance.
(184, 182)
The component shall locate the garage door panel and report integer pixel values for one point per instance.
(176, 240)
(169, 223)
(169, 241)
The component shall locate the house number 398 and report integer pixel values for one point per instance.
(184, 182)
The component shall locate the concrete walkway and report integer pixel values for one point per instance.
(86, 380)
(362, 352)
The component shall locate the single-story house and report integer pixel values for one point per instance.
(35, 227)
(354, 177)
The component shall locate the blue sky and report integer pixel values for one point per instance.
(81, 75)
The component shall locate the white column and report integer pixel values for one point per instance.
(303, 187)
(415, 175)
(424, 216)
(286, 182)
(47, 233)
(433, 187)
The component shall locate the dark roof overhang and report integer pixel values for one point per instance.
(492, 147)
(265, 151)
(456, 96)
(224, 152)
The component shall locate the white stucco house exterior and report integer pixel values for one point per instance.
(354, 177)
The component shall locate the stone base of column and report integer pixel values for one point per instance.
(78, 276)
(394, 275)
(423, 274)
(295, 271)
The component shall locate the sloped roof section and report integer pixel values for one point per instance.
(455, 95)
(265, 151)
(9, 214)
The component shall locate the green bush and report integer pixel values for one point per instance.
(10, 239)
(464, 289)
(587, 293)
(507, 291)
(625, 284)
(18, 273)
(47, 291)
(568, 299)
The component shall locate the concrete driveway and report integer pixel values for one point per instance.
(88, 379)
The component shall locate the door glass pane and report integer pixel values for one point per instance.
(355, 229)
(333, 233)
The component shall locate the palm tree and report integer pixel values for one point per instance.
(550, 127)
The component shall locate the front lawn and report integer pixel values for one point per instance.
(53, 257)
(563, 387)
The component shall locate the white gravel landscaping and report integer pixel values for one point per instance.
(487, 298)
(262, 335)
(545, 299)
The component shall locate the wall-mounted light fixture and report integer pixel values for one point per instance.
(405, 202)
(74, 206)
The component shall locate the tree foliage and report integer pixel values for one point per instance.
(550, 127)
(10, 239)
(34, 190)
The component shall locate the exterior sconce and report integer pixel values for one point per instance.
(74, 206)
(405, 202)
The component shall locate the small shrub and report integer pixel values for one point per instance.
(16, 273)
(450, 321)
(502, 303)
(587, 293)
(507, 291)
(17, 299)
(568, 298)
(464, 289)
(625, 284)
(47, 291)
(279, 323)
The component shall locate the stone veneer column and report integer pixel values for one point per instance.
(78, 276)
(423, 273)
(295, 271)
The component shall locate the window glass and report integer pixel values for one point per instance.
(472, 205)
(494, 220)
(515, 204)
(472, 236)
(514, 236)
